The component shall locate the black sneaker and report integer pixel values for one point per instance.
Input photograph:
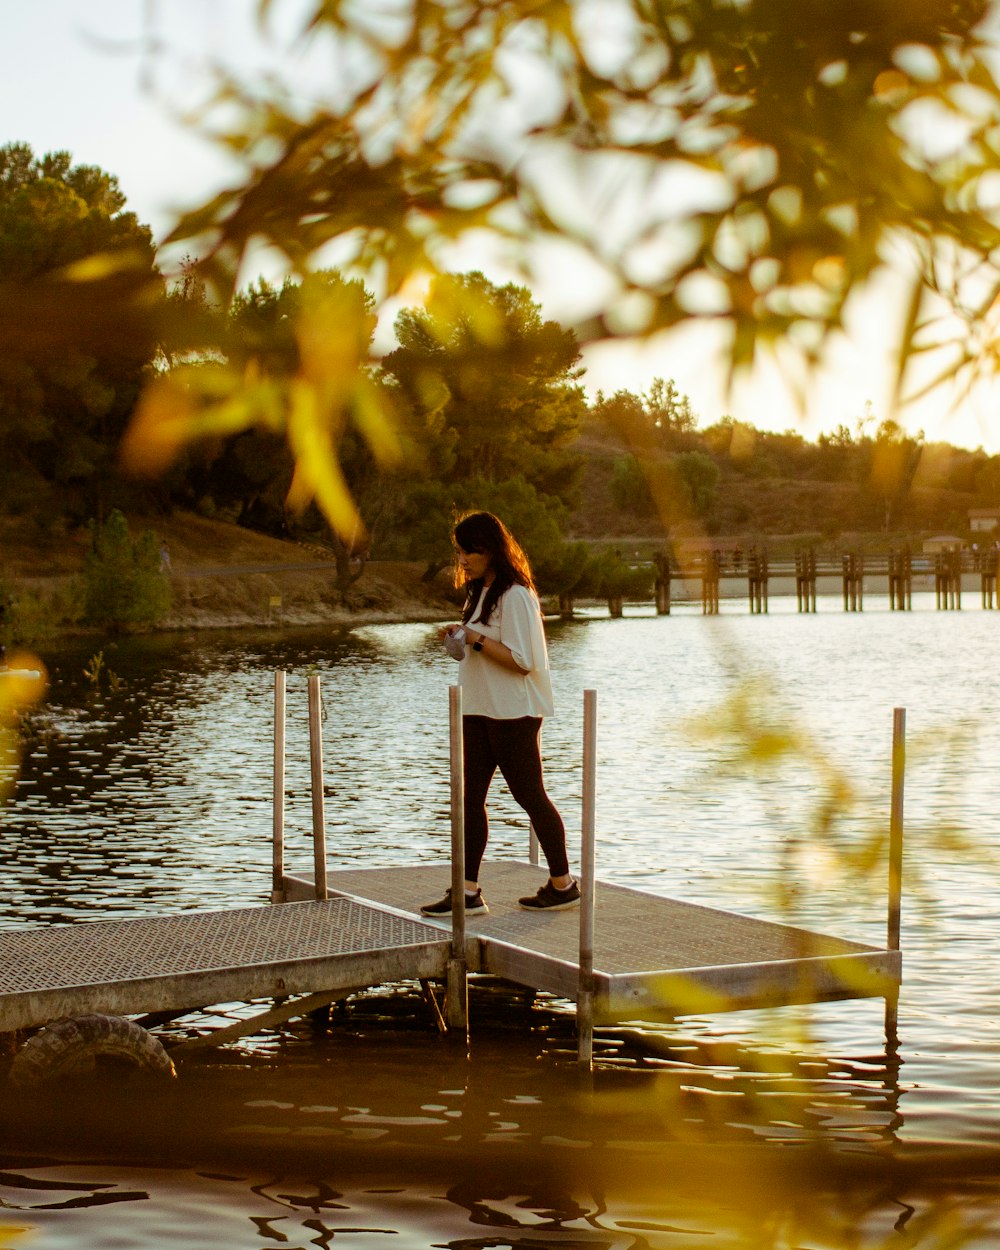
(549, 898)
(474, 903)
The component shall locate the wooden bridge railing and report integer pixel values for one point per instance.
(807, 568)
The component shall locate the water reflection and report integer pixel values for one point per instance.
(374, 1127)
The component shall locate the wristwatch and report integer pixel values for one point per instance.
(478, 644)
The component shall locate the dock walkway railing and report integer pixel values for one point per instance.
(479, 951)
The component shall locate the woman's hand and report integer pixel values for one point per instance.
(490, 648)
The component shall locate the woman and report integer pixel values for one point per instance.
(506, 690)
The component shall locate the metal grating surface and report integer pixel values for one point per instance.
(99, 952)
(633, 931)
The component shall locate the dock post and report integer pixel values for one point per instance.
(457, 988)
(585, 992)
(278, 835)
(908, 576)
(895, 860)
(764, 577)
(316, 777)
(662, 585)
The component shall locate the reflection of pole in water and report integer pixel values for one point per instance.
(457, 992)
(585, 993)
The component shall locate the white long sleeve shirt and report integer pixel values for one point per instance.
(490, 689)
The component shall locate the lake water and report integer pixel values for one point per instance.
(151, 794)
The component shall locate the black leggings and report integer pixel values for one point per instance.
(511, 746)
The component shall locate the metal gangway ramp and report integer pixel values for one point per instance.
(188, 961)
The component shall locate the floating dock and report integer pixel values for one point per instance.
(654, 958)
(625, 955)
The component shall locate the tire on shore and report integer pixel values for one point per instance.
(81, 1046)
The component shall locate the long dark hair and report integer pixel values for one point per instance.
(486, 534)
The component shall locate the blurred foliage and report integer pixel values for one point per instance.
(22, 684)
(712, 159)
(700, 159)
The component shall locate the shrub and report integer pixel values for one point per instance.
(122, 579)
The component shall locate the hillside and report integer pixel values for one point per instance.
(766, 510)
(223, 575)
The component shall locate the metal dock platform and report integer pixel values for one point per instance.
(654, 958)
(625, 955)
(192, 960)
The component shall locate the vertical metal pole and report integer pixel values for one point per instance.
(895, 857)
(278, 835)
(316, 773)
(457, 999)
(585, 993)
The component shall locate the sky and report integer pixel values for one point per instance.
(78, 76)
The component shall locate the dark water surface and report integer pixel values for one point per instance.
(151, 794)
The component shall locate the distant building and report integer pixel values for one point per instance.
(941, 542)
(985, 520)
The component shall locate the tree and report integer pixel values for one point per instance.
(494, 381)
(988, 482)
(65, 404)
(124, 584)
(630, 487)
(486, 402)
(660, 419)
(894, 458)
(700, 475)
(675, 488)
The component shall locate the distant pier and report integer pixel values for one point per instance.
(716, 575)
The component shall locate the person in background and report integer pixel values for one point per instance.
(506, 691)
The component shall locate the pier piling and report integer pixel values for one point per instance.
(900, 573)
(948, 580)
(805, 580)
(711, 569)
(988, 567)
(661, 589)
(895, 859)
(757, 576)
(853, 581)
